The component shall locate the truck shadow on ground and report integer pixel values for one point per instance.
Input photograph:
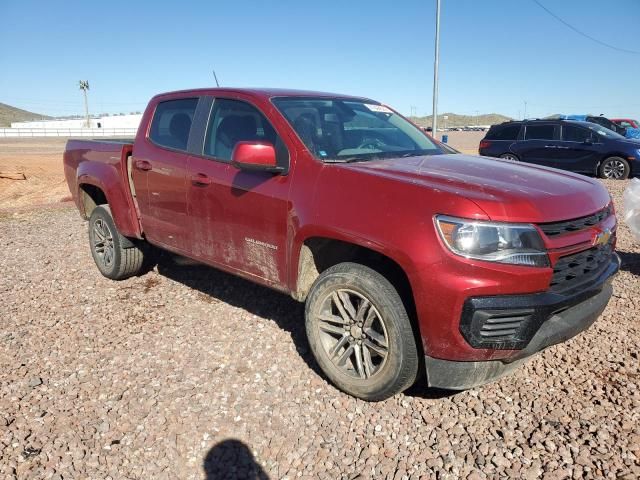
(630, 262)
(265, 303)
(232, 459)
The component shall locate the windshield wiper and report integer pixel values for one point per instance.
(345, 160)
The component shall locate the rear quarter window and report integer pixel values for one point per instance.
(508, 132)
(172, 121)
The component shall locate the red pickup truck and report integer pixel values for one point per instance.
(405, 257)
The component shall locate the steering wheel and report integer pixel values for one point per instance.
(371, 143)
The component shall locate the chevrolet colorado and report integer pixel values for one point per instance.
(405, 257)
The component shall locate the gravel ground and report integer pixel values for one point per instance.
(187, 372)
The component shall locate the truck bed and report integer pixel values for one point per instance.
(103, 164)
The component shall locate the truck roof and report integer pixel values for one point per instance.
(264, 93)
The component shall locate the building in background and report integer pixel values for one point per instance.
(109, 122)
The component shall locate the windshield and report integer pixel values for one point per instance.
(605, 132)
(346, 130)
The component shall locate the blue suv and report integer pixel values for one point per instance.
(582, 147)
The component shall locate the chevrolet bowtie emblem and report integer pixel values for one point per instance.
(602, 238)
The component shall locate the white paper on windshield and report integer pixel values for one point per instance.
(378, 108)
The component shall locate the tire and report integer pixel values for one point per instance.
(116, 256)
(614, 168)
(360, 333)
(510, 156)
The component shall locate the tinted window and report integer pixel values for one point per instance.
(234, 121)
(539, 132)
(509, 132)
(172, 123)
(575, 134)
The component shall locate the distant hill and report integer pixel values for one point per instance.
(456, 120)
(10, 114)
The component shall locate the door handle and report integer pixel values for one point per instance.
(564, 148)
(200, 180)
(550, 146)
(143, 165)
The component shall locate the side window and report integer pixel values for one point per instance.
(171, 123)
(510, 132)
(234, 121)
(575, 134)
(539, 132)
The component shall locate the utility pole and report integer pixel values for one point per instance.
(525, 110)
(436, 62)
(84, 86)
(477, 117)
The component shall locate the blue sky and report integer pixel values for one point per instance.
(495, 54)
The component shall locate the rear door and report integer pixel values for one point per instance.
(576, 151)
(159, 173)
(539, 144)
(238, 219)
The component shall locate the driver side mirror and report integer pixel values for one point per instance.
(588, 141)
(255, 156)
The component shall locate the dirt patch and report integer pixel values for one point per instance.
(40, 161)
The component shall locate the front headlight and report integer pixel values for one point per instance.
(638, 153)
(518, 244)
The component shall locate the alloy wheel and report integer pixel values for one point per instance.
(353, 334)
(103, 242)
(613, 169)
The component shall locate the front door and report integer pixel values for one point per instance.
(238, 219)
(576, 150)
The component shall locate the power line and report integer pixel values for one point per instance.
(580, 32)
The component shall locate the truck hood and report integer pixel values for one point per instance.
(504, 190)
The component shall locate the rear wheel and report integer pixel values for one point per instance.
(359, 332)
(510, 156)
(116, 256)
(615, 168)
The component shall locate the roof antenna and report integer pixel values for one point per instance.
(216, 77)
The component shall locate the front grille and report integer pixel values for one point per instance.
(574, 271)
(559, 228)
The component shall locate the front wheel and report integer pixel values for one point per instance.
(360, 333)
(116, 256)
(614, 168)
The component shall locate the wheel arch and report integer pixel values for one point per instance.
(90, 196)
(98, 185)
(318, 253)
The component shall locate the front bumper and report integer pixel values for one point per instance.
(524, 323)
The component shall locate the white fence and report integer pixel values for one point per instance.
(67, 132)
